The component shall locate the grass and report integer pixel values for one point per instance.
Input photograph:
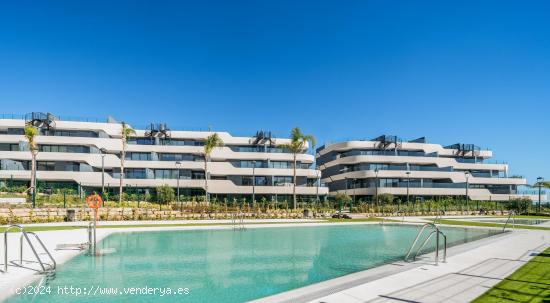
(50, 228)
(530, 283)
(488, 224)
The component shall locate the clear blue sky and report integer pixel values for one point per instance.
(453, 71)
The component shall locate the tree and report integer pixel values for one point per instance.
(385, 198)
(165, 194)
(342, 198)
(30, 134)
(125, 133)
(210, 143)
(298, 144)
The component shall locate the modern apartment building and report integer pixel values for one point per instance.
(87, 155)
(415, 169)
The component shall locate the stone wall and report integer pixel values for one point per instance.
(42, 215)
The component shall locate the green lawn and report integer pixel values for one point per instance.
(488, 224)
(530, 283)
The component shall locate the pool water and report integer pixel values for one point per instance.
(233, 265)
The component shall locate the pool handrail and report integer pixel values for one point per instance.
(439, 216)
(511, 215)
(25, 235)
(438, 233)
(237, 220)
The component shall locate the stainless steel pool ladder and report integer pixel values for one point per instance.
(396, 214)
(439, 216)
(237, 219)
(512, 216)
(434, 230)
(46, 267)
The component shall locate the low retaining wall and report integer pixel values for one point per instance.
(41, 215)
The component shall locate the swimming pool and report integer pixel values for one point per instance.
(232, 265)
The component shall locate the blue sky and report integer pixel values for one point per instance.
(453, 71)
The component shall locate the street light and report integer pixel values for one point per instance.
(253, 182)
(354, 185)
(467, 174)
(178, 166)
(539, 184)
(318, 184)
(408, 185)
(376, 185)
(102, 151)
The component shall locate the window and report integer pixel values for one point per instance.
(282, 180)
(138, 156)
(195, 175)
(71, 133)
(9, 147)
(16, 131)
(246, 181)
(166, 174)
(280, 164)
(64, 149)
(57, 166)
(135, 173)
(176, 157)
(251, 164)
(141, 141)
(181, 142)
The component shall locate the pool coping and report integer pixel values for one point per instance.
(31, 277)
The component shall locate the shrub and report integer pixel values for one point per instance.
(165, 194)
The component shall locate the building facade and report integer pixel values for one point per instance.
(87, 155)
(416, 170)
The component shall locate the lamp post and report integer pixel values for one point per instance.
(353, 201)
(539, 184)
(376, 184)
(102, 150)
(253, 182)
(178, 166)
(467, 174)
(408, 185)
(318, 184)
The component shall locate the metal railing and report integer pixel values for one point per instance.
(438, 233)
(512, 216)
(237, 219)
(439, 216)
(46, 267)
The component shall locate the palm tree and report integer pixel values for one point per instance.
(210, 143)
(30, 133)
(126, 132)
(298, 143)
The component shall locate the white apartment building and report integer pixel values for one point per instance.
(417, 170)
(87, 155)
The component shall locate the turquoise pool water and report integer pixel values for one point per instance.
(231, 265)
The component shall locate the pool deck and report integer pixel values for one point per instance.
(470, 270)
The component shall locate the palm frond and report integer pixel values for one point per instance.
(212, 142)
(30, 133)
